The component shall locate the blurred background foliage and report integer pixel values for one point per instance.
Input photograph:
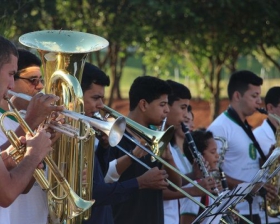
(196, 42)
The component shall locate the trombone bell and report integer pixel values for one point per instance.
(158, 140)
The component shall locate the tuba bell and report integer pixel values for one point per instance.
(63, 54)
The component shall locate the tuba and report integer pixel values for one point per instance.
(63, 54)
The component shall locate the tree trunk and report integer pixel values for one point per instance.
(116, 66)
(215, 101)
(113, 67)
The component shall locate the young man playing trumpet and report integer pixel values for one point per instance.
(14, 181)
(106, 194)
(33, 206)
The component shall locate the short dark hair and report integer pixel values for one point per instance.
(93, 74)
(273, 96)
(27, 59)
(240, 80)
(179, 91)
(148, 88)
(7, 48)
(200, 138)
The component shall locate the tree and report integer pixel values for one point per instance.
(211, 35)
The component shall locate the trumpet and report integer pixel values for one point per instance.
(161, 139)
(114, 130)
(76, 204)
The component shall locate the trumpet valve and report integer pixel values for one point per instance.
(17, 154)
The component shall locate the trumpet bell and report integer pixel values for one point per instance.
(116, 132)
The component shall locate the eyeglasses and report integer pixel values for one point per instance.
(33, 81)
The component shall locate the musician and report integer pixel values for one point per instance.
(13, 182)
(93, 85)
(148, 106)
(178, 101)
(33, 206)
(190, 119)
(206, 145)
(241, 161)
(265, 134)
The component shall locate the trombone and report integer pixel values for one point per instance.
(161, 140)
(114, 130)
(77, 204)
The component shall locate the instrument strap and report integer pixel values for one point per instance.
(271, 125)
(248, 130)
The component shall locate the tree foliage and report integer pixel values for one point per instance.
(201, 38)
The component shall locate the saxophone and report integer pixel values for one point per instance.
(273, 206)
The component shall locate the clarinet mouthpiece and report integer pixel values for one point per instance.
(262, 110)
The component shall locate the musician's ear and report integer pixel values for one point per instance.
(269, 107)
(142, 105)
(236, 96)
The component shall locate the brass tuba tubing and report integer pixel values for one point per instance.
(141, 130)
(77, 204)
(114, 130)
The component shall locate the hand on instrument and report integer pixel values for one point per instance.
(39, 108)
(41, 165)
(271, 191)
(138, 152)
(167, 155)
(103, 139)
(38, 146)
(84, 176)
(209, 184)
(197, 172)
(153, 179)
(55, 118)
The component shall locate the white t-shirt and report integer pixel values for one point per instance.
(27, 208)
(265, 137)
(241, 161)
(171, 207)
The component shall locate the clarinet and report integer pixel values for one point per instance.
(223, 179)
(195, 153)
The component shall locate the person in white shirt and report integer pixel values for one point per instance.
(178, 102)
(265, 135)
(207, 146)
(31, 207)
(241, 161)
(15, 180)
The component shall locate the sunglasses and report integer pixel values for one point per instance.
(34, 81)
